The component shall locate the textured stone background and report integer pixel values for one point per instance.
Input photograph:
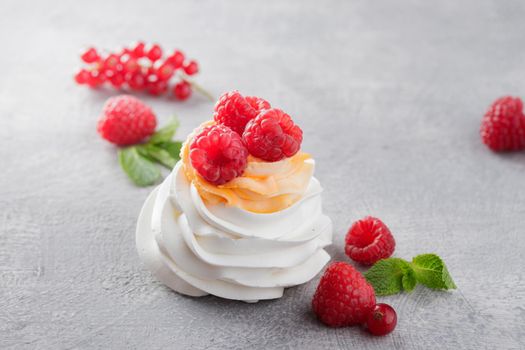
(389, 95)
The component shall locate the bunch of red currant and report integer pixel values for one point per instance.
(140, 67)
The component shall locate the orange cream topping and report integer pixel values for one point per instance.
(264, 187)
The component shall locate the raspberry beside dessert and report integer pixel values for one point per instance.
(272, 136)
(343, 296)
(503, 126)
(126, 121)
(218, 154)
(369, 240)
(234, 111)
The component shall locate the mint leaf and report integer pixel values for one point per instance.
(387, 275)
(165, 133)
(409, 281)
(158, 154)
(173, 147)
(139, 169)
(431, 271)
(143, 152)
(391, 276)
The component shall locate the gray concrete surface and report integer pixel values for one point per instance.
(389, 94)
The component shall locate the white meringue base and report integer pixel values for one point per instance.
(196, 250)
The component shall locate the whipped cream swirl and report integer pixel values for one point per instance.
(197, 248)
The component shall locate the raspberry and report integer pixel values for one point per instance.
(234, 111)
(218, 154)
(272, 136)
(369, 240)
(258, 103)
(126, 120)
(503, 126)
(343, 296)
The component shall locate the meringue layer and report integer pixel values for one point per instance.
(196, 246)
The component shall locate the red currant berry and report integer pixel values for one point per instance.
(117, 80)
(131, 66)
(108, 73)
(191, 68)
(154, 53)
(151, 75)
(111, 62)
(90, 55)
(95, 79)
(165, 71)
(182, 90)
(125, 51)
(157, 88)
(138, 50)
(137, 81)
(381, 320)
(82, 76)
(176, 59)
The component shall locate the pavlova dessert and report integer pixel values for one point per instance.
(240, 215)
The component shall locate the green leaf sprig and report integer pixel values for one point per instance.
(138, 161)
(394, 275)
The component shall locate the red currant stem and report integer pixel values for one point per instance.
(199, 88)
